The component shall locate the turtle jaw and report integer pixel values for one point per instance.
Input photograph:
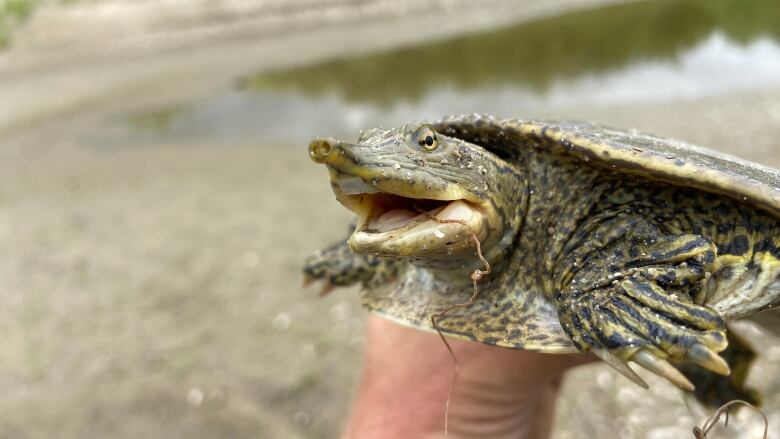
(404, 233)
(402, 224)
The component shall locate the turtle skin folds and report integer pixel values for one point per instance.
(625, 293)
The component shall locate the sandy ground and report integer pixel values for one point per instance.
(153, 291)
(149, 296)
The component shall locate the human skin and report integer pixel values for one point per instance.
(499, 393)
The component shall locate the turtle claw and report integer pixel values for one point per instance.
(619, 365)
(662, 368)
(327, 287)
(706, 358)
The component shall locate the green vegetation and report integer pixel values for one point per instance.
(158, 120)
(534, 54)
(13, 12)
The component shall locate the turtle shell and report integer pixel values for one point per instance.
(630, 152)
(536, 326)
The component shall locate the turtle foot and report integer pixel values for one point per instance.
(635, 320)
(712, 389)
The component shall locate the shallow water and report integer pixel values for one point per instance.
(632, 53)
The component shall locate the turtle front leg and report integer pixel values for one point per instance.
(626, 294)
(338, 266)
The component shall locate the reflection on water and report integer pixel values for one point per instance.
(618, 54)
(535, 55)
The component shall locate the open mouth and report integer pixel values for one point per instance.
(401, 224)
(391, 212)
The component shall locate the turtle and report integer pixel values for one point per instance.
(632, 247)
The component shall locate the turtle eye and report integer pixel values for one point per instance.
(426, 138)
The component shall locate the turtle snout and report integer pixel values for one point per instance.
(324, 150)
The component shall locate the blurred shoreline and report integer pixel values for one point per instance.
(140, 54)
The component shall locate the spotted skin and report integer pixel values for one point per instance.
(624, 286)
(612, 240)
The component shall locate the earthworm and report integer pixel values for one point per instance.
(701, 433)
(476, 276)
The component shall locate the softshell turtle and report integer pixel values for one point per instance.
(630, 246)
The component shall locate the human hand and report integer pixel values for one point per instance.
(499, 393)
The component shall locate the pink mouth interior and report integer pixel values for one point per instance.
(391, 212)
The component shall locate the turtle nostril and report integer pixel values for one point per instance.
(321, 150)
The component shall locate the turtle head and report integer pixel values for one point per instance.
(418, 194)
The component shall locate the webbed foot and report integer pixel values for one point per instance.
(634, 320)
(632, 301)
